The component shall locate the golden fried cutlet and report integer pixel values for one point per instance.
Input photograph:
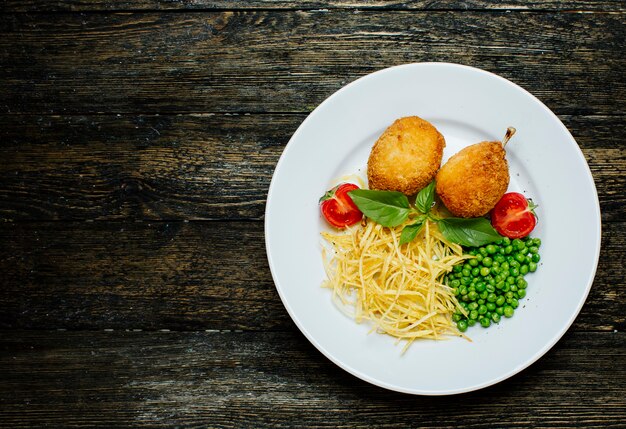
(406, 156)
(473, 180)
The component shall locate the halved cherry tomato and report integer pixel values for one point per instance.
(513, 216)
(338, 208)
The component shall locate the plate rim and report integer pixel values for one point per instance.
(538, 354)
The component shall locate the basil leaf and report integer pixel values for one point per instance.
(425, 198)
(468, 232)
(409, 232)
(388, 208)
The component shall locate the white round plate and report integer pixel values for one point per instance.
(467, 105)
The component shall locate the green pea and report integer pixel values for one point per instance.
(457, 316)
(488, 314)
(464, 305)
(491, 249)
(506, 287)
(455, 283)
(463, 290)
(466, 272)
(483, 251)
(533, 249)
(472, 295)
(495, 317)
(504, 266)
(513, 288)
(491, 306)
(490, 280)
(465, 281)
(462, 325)
(482, 309)
(492, 297)
(506, 241)
(487, 261)
(521, 283)
(495, 270)
(523, 269)
(479, 257)
(465, 298)
(508, 311)
(500, 301)
(528, 260)
(519, 257)
(475, 271)
(473, 314)
(499, 259)
(500, 310)
(484, 271)
(514, 303)
(480, 286)
(472, 252)
(510, 280)
(535, 258)
(472, 306)
(537, 242)
(473, 262)
(457, 269)
(491, 288)
(455, 291)
(471, 322)
(514, 272)
(499, 285)
(519, 244)
(532, 267)
(508, 295)
(514, 264)
(508, 249)
(521, 293)
(483, 295)
(480, 301)
(484, 322)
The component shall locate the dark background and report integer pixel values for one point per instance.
(138, 141)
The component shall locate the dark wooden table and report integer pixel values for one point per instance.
(138, 141)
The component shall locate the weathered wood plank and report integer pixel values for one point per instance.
(289, 61)
(234, 380)
(163, 5)
(187, 275)
(194, 166)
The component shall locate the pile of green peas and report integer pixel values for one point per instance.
(490, 285)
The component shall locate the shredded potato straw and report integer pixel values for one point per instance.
(398, 288)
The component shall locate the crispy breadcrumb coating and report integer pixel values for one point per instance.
(474, 179)
(406, 156)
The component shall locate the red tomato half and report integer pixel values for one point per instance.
(338, 208)
(513, 216)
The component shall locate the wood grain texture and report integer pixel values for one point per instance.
(278, 380)
(289, 61)
(186, 276)
(164, 5)
(95, 167)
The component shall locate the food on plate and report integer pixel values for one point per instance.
(409, 267)
(514, 215)
(338, 208)
(490, 284)
(406, 157)
(398, 288)
(472, 181)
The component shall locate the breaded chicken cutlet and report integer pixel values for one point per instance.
(406, 156)
(473, 180)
